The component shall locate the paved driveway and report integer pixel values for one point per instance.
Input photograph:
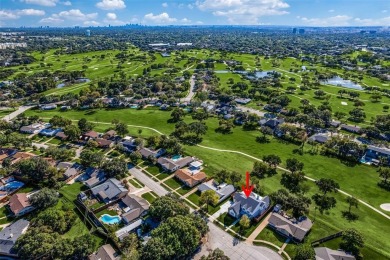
(235, 249)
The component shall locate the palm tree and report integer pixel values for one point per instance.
(353, 202)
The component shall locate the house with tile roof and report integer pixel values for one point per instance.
(19, 204)
(189, 178)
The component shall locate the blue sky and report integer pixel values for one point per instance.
(15, 13)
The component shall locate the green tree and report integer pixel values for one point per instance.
(121, 129)
(178, 237)
(304, 252)
(293, 165)
(324, 202)
(198, 128)
(351, 241)
(36, 243)
(135, 157)
(235, 177)
(272, 160)
(44, 198)
(84, 125)
(73, 132)
(177, 115)
(167, 206)
(260, 169)
(216, 254)
(244, 222)
(115, 167)
(327, 185)
(207, 198)
(89, 158)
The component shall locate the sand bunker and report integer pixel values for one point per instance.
(386, 206)
(344, 103)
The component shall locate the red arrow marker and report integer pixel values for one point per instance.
(248, 188)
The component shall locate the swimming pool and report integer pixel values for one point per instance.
(176, 157)
(110, 220)
(13, 185)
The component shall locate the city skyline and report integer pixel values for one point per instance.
(62, 13)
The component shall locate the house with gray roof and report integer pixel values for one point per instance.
(146, 152)
(105, 252)
(95, 176)
(9, 235)
(171, 165)
(110, 190)
(319, 138)
(252, 206)
(324, 253)
(222, 190)
(135, 207)
(290, 227)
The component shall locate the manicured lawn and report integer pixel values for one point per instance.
(96, 205)
(246, 232)
(71, 191)
(163, 175)
(149, 197)
(3, 212)
(226, 219)
(184, 189)
(154, 170)
(173, 183)
(194, 198)
(270, 235)
(55, 141)
(136, 183)
(106, 211)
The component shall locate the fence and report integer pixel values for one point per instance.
(322, 240)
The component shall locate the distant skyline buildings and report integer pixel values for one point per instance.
(294, 13)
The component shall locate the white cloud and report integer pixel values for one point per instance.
(190, 6)
(384, 11)
(372, 22)
(41, 2)
(338, 20)
(331, 11)
(7, 15)
(67, 3)
(51, 20)
(91, 23)
(185, 21)
(165, 5)
(16, 14)
(111, 16)
(243, 11)
(162, 18)
(76, 15)
(111, 4)
(30, 12)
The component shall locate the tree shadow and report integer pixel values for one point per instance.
(350, 216)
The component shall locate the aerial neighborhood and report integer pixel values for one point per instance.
(127, 141)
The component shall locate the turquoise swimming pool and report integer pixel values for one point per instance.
(176, 157)
(110, 220)
(13, 185)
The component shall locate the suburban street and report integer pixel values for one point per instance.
(216, 238)
(17, 112)
(191, 93)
